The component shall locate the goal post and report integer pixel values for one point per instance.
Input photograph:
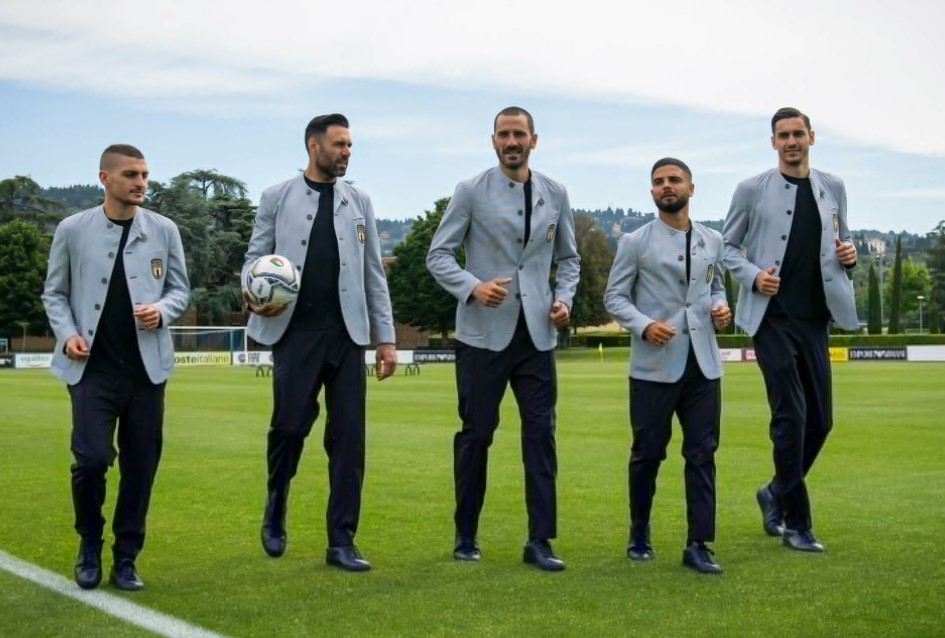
(209, 338)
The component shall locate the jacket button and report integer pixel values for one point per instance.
(521, 267)
(680, 257)
(777, 263)
(521, 212)
(308, 191)
(511, 184)
(787, 186)
(297, 267)
(518, 239)
(104, 280)
(788, 212)
(98, 306)
(110, 255)
(518, 296)
(688, 305)
(309, 216)
(110, 225)
(91, 332)
(304, 241)
(784, 237)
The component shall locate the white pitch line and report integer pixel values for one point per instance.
(143, 617)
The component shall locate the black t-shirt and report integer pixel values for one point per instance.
(115, 349)
(801, 293)
(528, 209)
(318, 304)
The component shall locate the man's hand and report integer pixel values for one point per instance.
(491, 293)
(846, 252)
(148, 316)
(263, 310)
(385, 360)
(721, 315)
(767, 283)
(658, 333)
(77, 348)
(560, 314)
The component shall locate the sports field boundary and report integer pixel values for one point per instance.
(132, 613)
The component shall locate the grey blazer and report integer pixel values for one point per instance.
(283, 224)
(647, 283)
(81, 261)
(756, 232)
(486, 217)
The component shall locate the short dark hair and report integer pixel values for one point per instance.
(671, 161)
(513, 111)
(786, 113)
(126, 150)
(320, 124)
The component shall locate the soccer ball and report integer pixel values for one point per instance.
(272, 279)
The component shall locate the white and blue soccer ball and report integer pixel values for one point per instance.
(272, 279)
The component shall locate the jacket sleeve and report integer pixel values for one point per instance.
(380, 314)
(844, 230)
(176, 294)
(263, 240)
(567, 258)
(617, 295)
(448, 238)
(58, 287)
(733, 234)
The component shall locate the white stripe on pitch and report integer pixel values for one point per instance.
(159, 623)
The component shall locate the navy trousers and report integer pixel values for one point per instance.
(304, 361)
(134, 405)
(481, 379)
(793, 358)
(696, 401)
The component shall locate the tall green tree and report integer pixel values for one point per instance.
(596, 258)
(213, 184)
(936, 265)
(895, 296)
(21, 198)
(24, 249)
(416, 297)
(874, 324)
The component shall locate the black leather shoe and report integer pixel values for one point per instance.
(640, 549)
(698, 557)
(772, 518)
(538, 552)
(124, 576)
(272, 534)
(347, 558)
(801, 540)
(467, 549)
(88, 564)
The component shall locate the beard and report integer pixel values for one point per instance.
(330, 167)
(522, 160)
(132, 199)
(672, 207)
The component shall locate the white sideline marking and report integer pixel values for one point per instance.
(143, 617)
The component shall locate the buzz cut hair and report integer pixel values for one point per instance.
(786, 113)
(320, 123)
(124, 150)
(671, 161)
(513, 111)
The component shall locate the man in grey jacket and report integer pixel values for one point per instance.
(513, 223)
(665, 287)
(788, 245)
(326, 228)
(116, 280)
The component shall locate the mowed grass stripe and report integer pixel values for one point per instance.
(876, 494)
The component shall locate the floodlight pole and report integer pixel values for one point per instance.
(921, 298)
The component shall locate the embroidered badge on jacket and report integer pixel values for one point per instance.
(836, 222)
(551, 233)
(157, 268)
(708, 274)
(361, 233)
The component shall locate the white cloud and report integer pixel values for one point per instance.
(869, 70)
(915, 193)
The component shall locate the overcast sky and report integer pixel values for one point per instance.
(613, 87)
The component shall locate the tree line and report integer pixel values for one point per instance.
(216, 219)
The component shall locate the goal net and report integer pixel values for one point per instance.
(208, 338)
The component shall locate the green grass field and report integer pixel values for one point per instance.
(877, 491)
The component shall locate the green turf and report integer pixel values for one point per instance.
(877, 492)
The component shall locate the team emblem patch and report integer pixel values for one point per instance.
(361, 233)
(836, 222)
(551, 233)
(708, 274)
(157, 268)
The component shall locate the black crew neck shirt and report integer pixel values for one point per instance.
(318, 305)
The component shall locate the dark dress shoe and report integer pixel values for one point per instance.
(538, 552)
(467, 549)
(272, 534)
(772, 518)
(347, 558)
(698, 557)
(88, 564)
(124, 576)
(801, 540)
(640, 549)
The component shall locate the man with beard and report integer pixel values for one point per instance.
(665, 287)
(788, 244)
(116, 280)
(327, 229)
(513, 223)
